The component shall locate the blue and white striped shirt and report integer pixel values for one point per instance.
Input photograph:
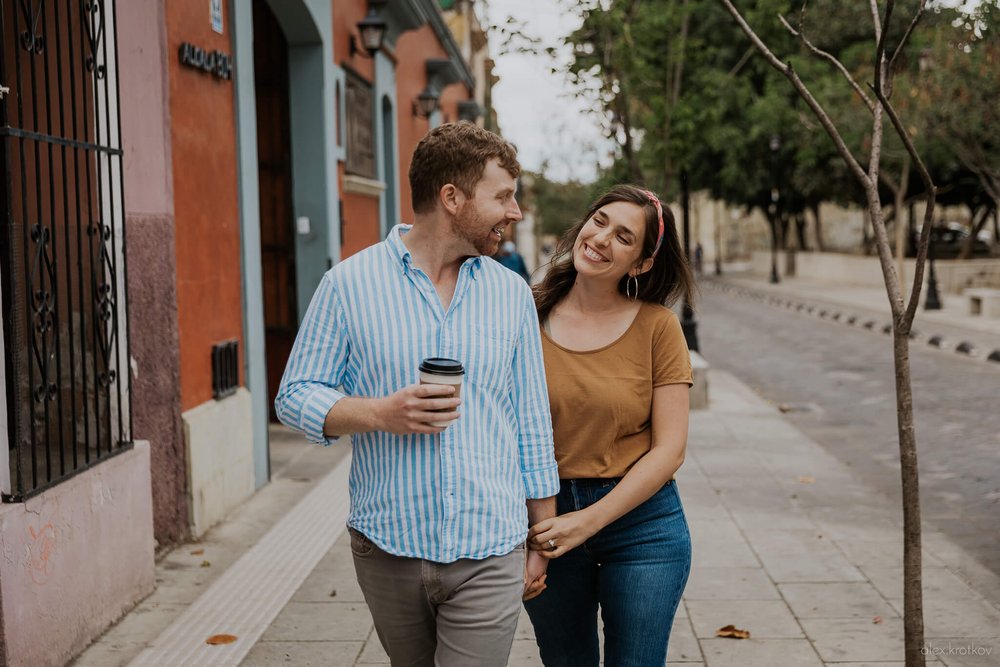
(460, 494)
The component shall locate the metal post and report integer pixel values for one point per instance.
(933, 301)
(688, 324)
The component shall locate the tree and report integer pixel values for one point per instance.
(558, 205)
(962, 87)
(880, 107)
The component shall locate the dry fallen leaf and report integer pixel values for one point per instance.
(807, 479)
(877, 620)
(732, 632)
(197, 552)
(784, 407)
(206, 563)
(216, 640)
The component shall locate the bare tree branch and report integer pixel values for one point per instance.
(742, 61)
(875, 20)
(906, 36)
(925, 230)
(787, 70)
(829, 56)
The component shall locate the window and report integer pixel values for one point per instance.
(360, 127)
(62, 246)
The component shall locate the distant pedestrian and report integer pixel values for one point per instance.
(619, 376)
(440, 500)
(699, 256)
(511, 258)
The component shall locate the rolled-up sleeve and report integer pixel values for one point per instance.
(316, 366)
(531, 402)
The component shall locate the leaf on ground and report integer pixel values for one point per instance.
(732, 632)
(197, 552)
(877, 620)
(807, 479)
(784, 407)
(333, 593)
(217, 640)
(206, 563)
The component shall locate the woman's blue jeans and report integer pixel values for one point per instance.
(634, 570)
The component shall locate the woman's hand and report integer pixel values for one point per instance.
(566, 532)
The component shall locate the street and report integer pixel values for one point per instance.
(838, 385)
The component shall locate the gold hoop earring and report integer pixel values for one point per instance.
(633, 283)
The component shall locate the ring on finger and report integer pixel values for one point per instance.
(552, 543)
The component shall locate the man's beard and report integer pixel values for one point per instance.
(468, 224)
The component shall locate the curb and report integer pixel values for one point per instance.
(865, 322)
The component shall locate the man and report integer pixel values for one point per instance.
(511, 258)
(439, 515)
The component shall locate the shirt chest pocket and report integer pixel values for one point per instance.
(490, 357)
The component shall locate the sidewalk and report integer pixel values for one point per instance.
(787, 545)
(952, 324)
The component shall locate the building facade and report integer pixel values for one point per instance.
(175, 178)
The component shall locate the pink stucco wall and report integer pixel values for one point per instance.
(152, 291)
(74, 559)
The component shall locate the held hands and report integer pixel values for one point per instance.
(534, 575)
(410, 410)
(566, 532)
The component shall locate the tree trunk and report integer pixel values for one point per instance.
(818, 226)
(975, 226)
(899, 201)
(800, 230)
(913, 625)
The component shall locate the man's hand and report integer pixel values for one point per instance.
(411, 409)
(534, 575)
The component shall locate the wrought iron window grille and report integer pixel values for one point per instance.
(62, 244)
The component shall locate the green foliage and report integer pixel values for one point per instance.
(681, 89)
(558, 205)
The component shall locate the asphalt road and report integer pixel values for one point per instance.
(840, 382)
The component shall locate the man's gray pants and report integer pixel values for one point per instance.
(441, 614)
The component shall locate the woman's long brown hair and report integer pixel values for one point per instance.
(668, 280)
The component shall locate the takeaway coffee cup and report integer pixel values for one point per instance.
(438, 370)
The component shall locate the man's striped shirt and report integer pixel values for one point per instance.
(460, 494)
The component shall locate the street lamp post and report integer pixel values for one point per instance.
(688, 324)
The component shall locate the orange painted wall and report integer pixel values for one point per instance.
(203, 140)
(360, 228)
(413, 49)
(361, 224)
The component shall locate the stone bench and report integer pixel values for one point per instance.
(983, 301)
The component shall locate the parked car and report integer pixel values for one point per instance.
(948, 239)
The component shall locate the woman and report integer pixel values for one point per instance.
(619, 375)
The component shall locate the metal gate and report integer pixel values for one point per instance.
(62, 260)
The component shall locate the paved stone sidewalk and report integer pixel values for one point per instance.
(805, 566)
(787, 545)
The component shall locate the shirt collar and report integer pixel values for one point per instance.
(399, 251)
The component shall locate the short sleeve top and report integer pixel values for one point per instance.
(602, 399)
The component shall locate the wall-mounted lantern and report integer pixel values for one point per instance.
(427, 102)
(372, 29)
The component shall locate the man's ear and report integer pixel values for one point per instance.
(451, 198)
(642, 267)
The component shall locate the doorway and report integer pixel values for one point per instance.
(274, 168)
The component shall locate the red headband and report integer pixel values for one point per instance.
(659, 217)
